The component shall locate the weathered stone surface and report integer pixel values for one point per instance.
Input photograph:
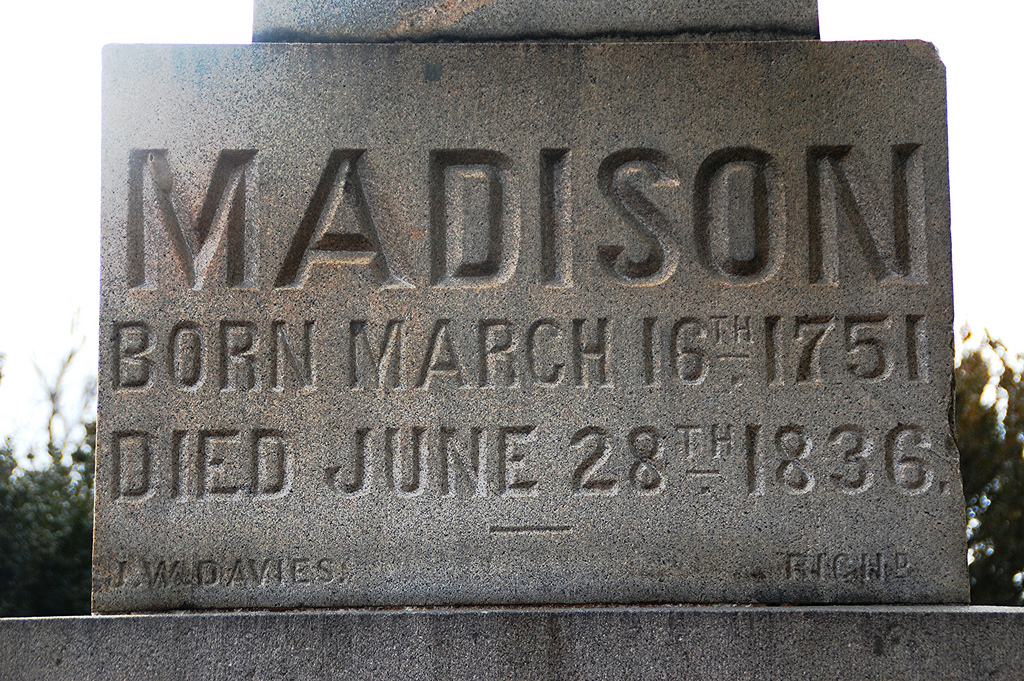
(712, 643)
(525, 323)
(383, 20)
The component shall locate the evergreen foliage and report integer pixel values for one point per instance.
(990, 436)
(46, 512)
(46, 532)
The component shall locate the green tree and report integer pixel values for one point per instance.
(990, 436)
(46, 519)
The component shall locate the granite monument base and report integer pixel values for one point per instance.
(658, 642)
(522, 323)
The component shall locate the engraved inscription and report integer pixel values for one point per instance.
(243, 355)
(201, 464)
(646, 471)
(739, 219)
(689, 361)
(405, 456)
(497, 354)
(441, 362)
(293, 358)
(650, 257)
(793, 446)
(717, 457)
(369, 368)
(338, 228)
(231, 462)
(840, 192)
(907, 450)
(186, 350)
(131, 464)
(854, 475)
(474, 222)
(239, 342)
(545, 352)
(228, 572)
(518, 326)
(852, 566)
(917, 343)
(555, 217)
(707, 453)
(739, 214)
(461, 465)
(451, 462)
(222, 226)
(865, 346)
(132, 366)
(513, 443)
(809, 333)
(591, 444)
(449, 355)
(752, 459)
(359, 481)
(590, 365)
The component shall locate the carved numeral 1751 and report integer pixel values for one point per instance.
(864, 348)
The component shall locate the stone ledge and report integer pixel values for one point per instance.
(387, 20)
(661, 642)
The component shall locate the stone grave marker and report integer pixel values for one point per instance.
(522, 323)
(574, 330)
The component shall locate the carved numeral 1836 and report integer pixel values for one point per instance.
(792, 458)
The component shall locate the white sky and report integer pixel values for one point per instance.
(50, 146)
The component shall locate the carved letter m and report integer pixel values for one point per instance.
(223, 225)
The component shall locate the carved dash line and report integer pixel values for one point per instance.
(530, 529)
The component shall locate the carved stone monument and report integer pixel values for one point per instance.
(644, 317)
(577, 323)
